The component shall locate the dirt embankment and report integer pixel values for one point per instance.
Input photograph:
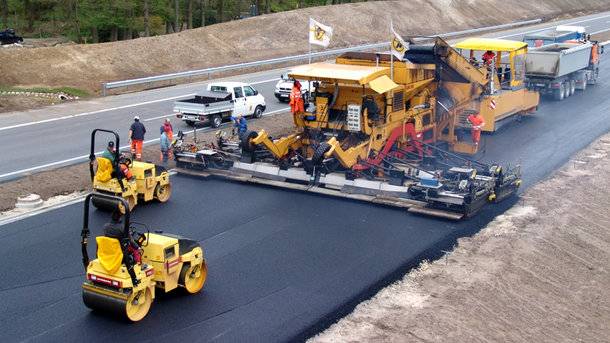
(538, 273)
(76, 178)
(85, 66)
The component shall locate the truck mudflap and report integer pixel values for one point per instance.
(334, 185)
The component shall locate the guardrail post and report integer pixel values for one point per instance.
(103, 88)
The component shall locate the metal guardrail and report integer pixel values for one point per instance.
(208, 71)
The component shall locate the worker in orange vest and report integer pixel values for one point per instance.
(297, 105)
(477, 125)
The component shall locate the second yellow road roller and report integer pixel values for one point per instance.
(131, 266)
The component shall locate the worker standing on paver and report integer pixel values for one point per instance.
(477, 125)
(488, 57)
(136, 138)
(165, 145)
(297, 105)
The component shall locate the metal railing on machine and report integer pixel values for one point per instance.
(209, 71)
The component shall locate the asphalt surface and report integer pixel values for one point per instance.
(54, 136)
(282, 265)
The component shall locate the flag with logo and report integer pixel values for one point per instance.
(398, 45)
(319, 34)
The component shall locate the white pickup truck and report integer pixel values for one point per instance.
(219, 102)
(284, 86)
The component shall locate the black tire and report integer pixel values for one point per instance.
(559, 93)
(318, 154)
(584, 85)
(245, 141)
(572, 87)
(215, 121)
(189, 122)
(258, 112)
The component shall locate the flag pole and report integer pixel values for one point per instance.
(391, 52)
(309, 39)
(309, 52)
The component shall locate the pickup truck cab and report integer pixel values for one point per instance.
(219, 102)
(284, 86)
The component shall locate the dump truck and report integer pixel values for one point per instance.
(559, 69)
(379, 131)
(560, 34)
(219, 102)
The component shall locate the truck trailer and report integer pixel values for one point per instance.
(559, 69)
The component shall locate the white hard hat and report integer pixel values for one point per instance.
(136, 118)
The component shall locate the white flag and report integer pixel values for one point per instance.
(319, 34)
(398, 45)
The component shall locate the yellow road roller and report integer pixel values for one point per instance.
(114, 173)
(131, 266)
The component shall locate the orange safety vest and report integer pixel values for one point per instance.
(296, 101)
(125, 170)
(476, 121)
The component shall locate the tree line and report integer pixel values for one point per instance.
(93, 21)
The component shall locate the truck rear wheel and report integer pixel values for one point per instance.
(572, 87)
(215, 121)
(558, 93)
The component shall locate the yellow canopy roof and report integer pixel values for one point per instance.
(492, 44)
(340, 72)
(383, 84)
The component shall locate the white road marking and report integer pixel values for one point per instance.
(84, 157)
(91, 113)
(159, 117)
(546, 28)
(113, 109)
(600, 31)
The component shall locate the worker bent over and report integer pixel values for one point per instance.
(239, 124)
(136, 138)
(297, 105)
(477, 125)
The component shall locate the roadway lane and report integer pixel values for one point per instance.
(54, 141)
(283, 265)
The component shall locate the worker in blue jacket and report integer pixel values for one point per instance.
(239, 124)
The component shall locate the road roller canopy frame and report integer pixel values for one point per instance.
(121, 205)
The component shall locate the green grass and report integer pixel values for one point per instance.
(67, 90)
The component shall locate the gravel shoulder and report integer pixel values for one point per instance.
(538, 273)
